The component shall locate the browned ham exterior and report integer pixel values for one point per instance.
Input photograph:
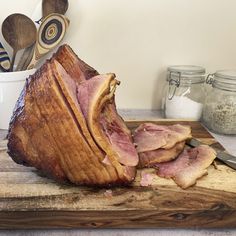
(191, 165)
(66, 130)
(74, 66)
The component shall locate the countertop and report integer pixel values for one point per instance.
(229, 143)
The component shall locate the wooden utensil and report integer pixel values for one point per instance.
(20, 32)
(25, 58)
(48, 7)
(51, 31)
(54, 6)
(4, 59)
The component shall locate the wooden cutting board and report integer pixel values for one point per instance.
(28, 200)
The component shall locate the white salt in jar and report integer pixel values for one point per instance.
(184, 94)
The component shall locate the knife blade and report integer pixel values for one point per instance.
(227, 158)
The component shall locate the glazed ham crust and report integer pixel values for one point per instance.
(49, 131)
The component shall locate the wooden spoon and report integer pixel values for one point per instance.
(48, 7)
(26, 58)
(20, 32)
(51, 31)
(54, 6)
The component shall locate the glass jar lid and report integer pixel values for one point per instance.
(223, 79)
(187, 69)
(186, 73)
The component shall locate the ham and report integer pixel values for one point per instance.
(151, 158)
(74, 66)
(146, 178)
(150, 136)
(106, 127)
(191, 165)
(65, 124)
(159, 143)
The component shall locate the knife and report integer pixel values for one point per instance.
(228, 159)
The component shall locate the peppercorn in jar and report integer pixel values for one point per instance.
(219, 111)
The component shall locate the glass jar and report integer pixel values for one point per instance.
(219, 111)
(184, 94)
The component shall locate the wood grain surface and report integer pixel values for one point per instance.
(28, 200)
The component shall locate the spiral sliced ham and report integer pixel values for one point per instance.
(66, 129)
(65, 124)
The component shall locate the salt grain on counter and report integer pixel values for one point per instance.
(183, 108)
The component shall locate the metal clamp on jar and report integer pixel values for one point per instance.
(185, 92)
(219, 112)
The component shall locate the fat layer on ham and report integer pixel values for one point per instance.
(191, 165)
(149, 136)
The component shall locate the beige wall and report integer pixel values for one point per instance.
(138, 39)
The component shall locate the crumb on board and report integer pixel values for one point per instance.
(108, 193)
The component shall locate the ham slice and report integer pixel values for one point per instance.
(146, 178)
(191, 165)
(149, 136)
(106, 127)
(151, 158)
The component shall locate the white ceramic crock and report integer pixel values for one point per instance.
(11, 84)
